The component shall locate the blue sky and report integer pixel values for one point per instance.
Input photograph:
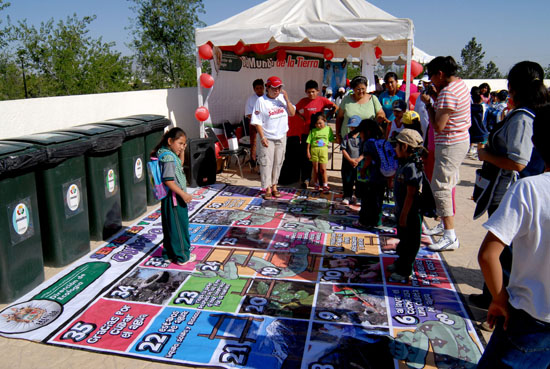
(508, 31)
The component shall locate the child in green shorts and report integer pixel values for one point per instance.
(317, 149)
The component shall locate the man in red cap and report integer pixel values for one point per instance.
(270, 117)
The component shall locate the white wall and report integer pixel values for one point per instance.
(22, 117)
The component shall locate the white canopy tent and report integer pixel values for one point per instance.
(330, 24)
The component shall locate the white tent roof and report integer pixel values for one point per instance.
(313, 23)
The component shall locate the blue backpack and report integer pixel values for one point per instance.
(388, 160)
(155, 176)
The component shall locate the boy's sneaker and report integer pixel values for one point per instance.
(358, 202)
(398, 278)
(445, 244)
(435, 231)
(391, 268)
(345, 201)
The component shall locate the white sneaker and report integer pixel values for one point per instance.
(435, 231)
(358, 202)
(345, 201)
(445, 244)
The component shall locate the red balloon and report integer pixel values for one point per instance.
(205, 51)
(416, 69)
(281, 55)
(260, 48)
(202, 113)
(377, 52)
(207, 80)
(239, 48)
(355, 44)
(328, 54)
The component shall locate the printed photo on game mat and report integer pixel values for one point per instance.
(347, 346)
(235, 263)
(253, 216)
(310, 223)
(352, 244)
(157, 261)
(318, 205)
(215, 294)
(287, 241)
(108, 324)
(359, 305)
(443, 342)
(351, 269)
(218, 339)
(148, 285)
(278, 298)
(247, 238)
(426, 273)
(309, 194)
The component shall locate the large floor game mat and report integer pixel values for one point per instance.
(285, 283)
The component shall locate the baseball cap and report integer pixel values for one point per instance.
(399, 105)
(274, 81)
(341, 89)
(329, 91)
(409, 116)
(410, 137)
(425, 78)
(354, 121)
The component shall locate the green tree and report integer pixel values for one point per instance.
(491, 71)
(61, 59)
(547, 71)
(472, 60)
(3, 32)
(164, 41)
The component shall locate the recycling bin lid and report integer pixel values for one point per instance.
(59, 146)
(103, 138)
(18, 156)
(130, 127)
(155, 122)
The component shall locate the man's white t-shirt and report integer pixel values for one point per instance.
(250, 102)
(272, 115)
(523, 217)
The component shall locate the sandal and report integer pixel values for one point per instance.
(326, 189)
(192, 258)
(276, 194)
(268, 195)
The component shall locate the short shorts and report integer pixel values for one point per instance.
(319, 154)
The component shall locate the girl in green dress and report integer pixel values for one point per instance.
(175, 219)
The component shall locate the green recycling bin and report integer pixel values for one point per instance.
(102, 178)
(62, 202)
(133, 173)
(21, 261)
(155, 125)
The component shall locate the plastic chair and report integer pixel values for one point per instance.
(225, 152)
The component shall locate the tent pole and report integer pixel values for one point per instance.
(408, 74)
(199, 92)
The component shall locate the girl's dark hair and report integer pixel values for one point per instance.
(358, 80)
(390, 75)
(371, 128)
(445, 64)
(485, 85)
(475, 92)
(314, 118)
(174, 133)
(526, 80)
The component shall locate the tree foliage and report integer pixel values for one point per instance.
(472, 62)
(61, 59)
(164, 41)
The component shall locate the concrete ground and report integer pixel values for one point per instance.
(462, 265)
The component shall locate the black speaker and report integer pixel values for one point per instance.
(200, 161)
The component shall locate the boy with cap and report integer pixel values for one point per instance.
(351, 150)
(407, 186)
(411, 120)
(399, 107)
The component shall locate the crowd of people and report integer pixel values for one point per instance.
(390, 150)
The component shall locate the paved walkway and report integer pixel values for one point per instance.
(462, 264)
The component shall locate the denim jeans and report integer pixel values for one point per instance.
(525, 344)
